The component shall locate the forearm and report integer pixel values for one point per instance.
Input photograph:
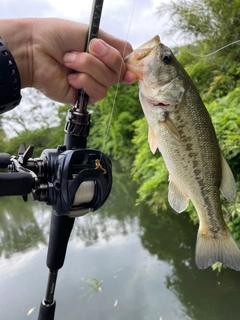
(16, 34)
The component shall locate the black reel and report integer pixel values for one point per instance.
(73, 182)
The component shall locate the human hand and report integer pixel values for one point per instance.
(50, 57)
(97, 71)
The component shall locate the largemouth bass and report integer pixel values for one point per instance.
(181, 128)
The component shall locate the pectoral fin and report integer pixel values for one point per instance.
(152, 140)
(228, 185)
(171, 128)
(176, 198)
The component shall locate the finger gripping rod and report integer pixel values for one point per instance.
(78, 119)
(82, 97)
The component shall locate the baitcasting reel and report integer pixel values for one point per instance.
(73, 182)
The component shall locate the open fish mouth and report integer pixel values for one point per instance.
(161, 104)
(133, 60)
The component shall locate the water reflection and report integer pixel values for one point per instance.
(205, 294)
(19, 229)
(145, 262)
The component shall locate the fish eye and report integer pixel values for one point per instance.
(166, 57)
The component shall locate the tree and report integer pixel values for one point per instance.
(2, 134)
(214, 21)
(112, 128)
(34, 112)
(210, 25)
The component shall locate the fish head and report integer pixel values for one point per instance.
(158, 72)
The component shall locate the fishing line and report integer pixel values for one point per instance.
(209, 54)
(118, 82)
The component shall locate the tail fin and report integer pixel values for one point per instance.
(211, 248)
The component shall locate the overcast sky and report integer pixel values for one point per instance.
(119, 17)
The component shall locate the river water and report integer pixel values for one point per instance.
(123, 262)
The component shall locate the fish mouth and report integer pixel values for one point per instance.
(157, 104)
(153, 103)
(161, 104)
(134, 61)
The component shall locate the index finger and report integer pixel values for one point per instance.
(123, 46)
(110, 57)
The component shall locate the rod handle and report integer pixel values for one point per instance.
(46, 312)
(60, 231)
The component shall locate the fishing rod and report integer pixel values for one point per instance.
(76, 132)
(72, 179)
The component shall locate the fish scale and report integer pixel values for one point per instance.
(181, 128)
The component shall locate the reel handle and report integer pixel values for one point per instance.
(16, 184)
(4, 160)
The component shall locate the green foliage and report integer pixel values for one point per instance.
(214, 76)
(232, 214)
(112, 129)
(216, 21)
(225, 114)
(42, 138)
(211, 25)
(2, 135)
(149, 171)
